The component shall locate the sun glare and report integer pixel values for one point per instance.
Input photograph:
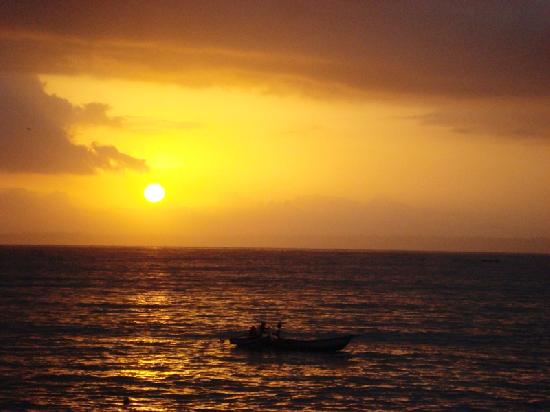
(154, 193)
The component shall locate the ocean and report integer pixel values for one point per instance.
(83, 328)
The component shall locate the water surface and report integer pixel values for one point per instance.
(82, 328)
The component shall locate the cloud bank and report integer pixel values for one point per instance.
(469, 48)
(452, 53)
(501, 119)
(34, 132)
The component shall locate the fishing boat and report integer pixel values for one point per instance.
(333, 344)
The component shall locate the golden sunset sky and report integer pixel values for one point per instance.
(353, 124)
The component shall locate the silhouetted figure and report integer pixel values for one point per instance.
(278, 331)
(261, 331)
(253, 332)
(126, 401)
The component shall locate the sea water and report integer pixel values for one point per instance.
(88, 327)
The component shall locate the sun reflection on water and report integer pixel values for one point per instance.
(146, 324)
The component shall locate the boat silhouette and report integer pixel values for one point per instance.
(332, 344)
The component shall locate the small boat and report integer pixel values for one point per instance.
(298, 345)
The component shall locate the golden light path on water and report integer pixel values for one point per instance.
(146, 324)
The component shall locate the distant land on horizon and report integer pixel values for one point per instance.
(311, 222)
(382, 243)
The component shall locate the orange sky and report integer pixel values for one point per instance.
(310, 124)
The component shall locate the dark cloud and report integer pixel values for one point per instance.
(26, 210)
(520, 120)
(453, 53)
(34, 136)
(95, 113)
(467, 48)
(109, 157)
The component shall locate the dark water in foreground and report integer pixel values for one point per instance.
(81, 328)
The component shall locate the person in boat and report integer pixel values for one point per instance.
(253, 332)
(278, 330)
(262, 329)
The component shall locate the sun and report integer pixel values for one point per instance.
(154, 193)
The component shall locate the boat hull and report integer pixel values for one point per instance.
(296, 345)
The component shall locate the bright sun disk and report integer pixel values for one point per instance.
(154, 193)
